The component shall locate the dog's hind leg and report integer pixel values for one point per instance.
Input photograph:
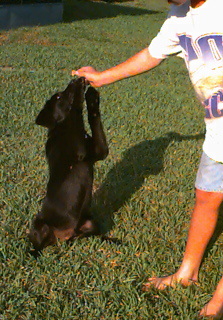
(87, 226)
(99, 143)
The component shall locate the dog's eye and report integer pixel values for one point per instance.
(58, 97)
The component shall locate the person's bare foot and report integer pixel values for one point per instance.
(162, 283)
(214, 308)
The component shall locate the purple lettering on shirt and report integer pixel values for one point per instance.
(214, 106)
(209, 47)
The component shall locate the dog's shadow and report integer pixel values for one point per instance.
(127, 176)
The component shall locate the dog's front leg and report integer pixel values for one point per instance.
(77, 122)
(99, 143)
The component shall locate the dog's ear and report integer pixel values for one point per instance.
(46, 118)
(55, 111)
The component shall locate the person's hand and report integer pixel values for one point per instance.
(92, 76)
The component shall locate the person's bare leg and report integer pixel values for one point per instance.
(214, 308)
(202, 226)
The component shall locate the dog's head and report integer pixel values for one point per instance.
(60, 104)
(41, 234)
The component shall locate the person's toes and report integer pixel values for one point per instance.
(158, 283)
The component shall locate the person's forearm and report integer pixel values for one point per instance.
(137, 64)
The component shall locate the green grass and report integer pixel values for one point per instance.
(144, 188)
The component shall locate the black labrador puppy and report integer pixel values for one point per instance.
(71, 154)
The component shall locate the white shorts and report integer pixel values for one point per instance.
(210, 175)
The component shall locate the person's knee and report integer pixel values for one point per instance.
(202, 196)
(209, 199)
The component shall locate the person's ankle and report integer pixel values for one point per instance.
(186, 274)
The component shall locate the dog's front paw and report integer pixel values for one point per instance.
(92, 99)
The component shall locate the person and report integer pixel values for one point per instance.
(194, 30)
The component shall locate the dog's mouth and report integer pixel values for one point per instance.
(79, 83)
(76, 89)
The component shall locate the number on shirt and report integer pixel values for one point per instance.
(209, 47)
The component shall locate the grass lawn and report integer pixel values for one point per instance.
(144, 189)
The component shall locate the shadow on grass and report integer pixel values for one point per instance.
(80, 10)
(127, 176)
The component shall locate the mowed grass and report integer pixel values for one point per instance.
(144, 190)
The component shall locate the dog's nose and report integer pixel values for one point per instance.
(79, 81)
(82, 80)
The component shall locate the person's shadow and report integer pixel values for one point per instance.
(81, 10)
(127, 176)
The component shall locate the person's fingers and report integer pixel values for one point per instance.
(79, 73)
(90, 75)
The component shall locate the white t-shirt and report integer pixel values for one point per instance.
(197, 35)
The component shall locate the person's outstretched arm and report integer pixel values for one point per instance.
(139, 63)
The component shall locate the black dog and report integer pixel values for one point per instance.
(71, 154)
